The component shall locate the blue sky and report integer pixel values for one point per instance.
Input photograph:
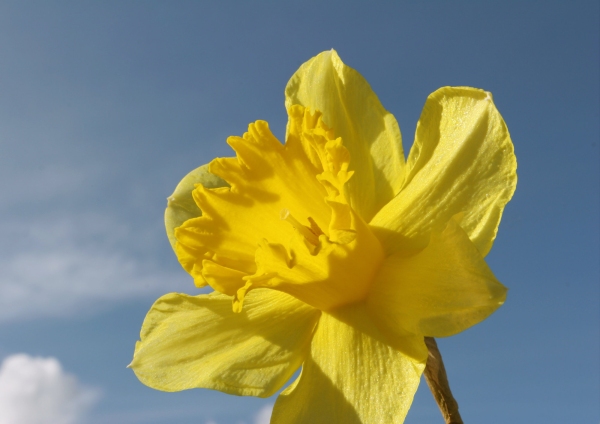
(104, 106)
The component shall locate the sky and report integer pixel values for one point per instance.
(105, 106)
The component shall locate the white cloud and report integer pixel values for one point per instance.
(38, 284)
(263, 416)
(38, 391)
(58, 268)
(67, 238)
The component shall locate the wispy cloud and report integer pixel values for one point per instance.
(36, 390)
(61, 267)
(71, 235)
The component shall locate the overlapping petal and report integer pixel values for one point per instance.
(370, 132)
(354, 374)
(444, 289)
(189, 342)
(462, 161)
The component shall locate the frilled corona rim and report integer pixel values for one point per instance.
(305, 238)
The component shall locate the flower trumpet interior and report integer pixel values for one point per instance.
(284, 222)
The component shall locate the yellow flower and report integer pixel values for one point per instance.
(331, 252)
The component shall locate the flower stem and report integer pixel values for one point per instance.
(437, 380)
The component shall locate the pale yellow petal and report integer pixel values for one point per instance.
(353, 375)
(353, 111)
(181, 205)
(444, 289)
(462, 161)
(197, 341)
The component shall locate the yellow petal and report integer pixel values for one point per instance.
(353, 375)
(462, 161)
(444, 289)
(370, 133)
(181, 205)
(188, 342)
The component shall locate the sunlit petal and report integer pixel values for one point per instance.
(370, 132)
(444, 289)
(189, 342)
(462, 161)
(354, 374)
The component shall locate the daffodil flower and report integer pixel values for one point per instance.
(331, 252)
